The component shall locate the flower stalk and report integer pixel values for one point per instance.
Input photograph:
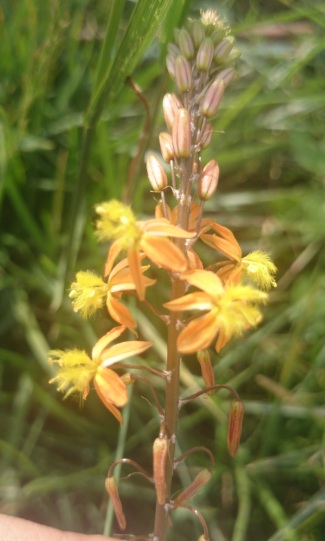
(223, 297)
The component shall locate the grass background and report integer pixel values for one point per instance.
(270, 144)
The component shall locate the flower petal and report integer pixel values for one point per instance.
(193, 301)
(164, 253)
(114, 251)
(227, 244)
(110, 388)
(198, 334)
(121, 351)
(136, 272)
(104, 341)
(162, 227)
(205, 280)
(120, 313)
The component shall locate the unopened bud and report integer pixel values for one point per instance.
(183, 74)
(170, 64)
(212, 98)
(235, 423)
(208, 181)
(206, 136)
(198, 33)
(227, 75)
(181, 134)
(111, 487)
(173, 50)
(156, 173)
(171, 104)
(203, 356)
(202, 538)
(127, 378)
(166, 146)
(200, 480)
(234, 55)
(176, 35)
(222, 50)
(218, 35)
(186, 44)
(160, 450)
(204, 55)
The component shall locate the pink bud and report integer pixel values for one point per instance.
(223, 49)
(181, 134)
(227, 75)
(198, 33)
(156, 173)
(171, 104)
(183, 74)
(206, 136)
(212, 98)
(186, 44)
(208, 181)
(166, 146)
(204, 55)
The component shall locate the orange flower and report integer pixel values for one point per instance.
(257, 266)
(229, 310)
(89, 293)
(117, 223)
(77, 370)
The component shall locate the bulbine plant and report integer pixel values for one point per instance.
(209, 303)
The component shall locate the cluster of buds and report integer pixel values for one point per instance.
(201, 63)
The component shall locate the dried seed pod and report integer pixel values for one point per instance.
(160, 450)
(200, 480)
(166, 146)
(111, 487)
(171, 104)
(222, 50)
(156, 173)
(212, 98)
(208, 180)
(235, 423)
(186, 44)
(203, 356)
(204, 55)
(181, 134)
(183, 74)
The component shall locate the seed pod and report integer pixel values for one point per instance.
(212, 98)
(222, 50)
(183, 74)
(156, 173)
(166, 146)
(198, 33)
(200, 480)
(181, 134)
(160, 449)
(111, 487)
(235, 423)
(203, 356)
(208, 181)
(204, 55)
(171, 104)
(186, 44)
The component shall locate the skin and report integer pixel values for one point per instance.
(18, 529)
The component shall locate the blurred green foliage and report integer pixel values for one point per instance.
(270, 144)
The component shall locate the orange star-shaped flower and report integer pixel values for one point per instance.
(229, 310)
(117, 223)
(89, 292)
(77, 370)
(257, 266)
